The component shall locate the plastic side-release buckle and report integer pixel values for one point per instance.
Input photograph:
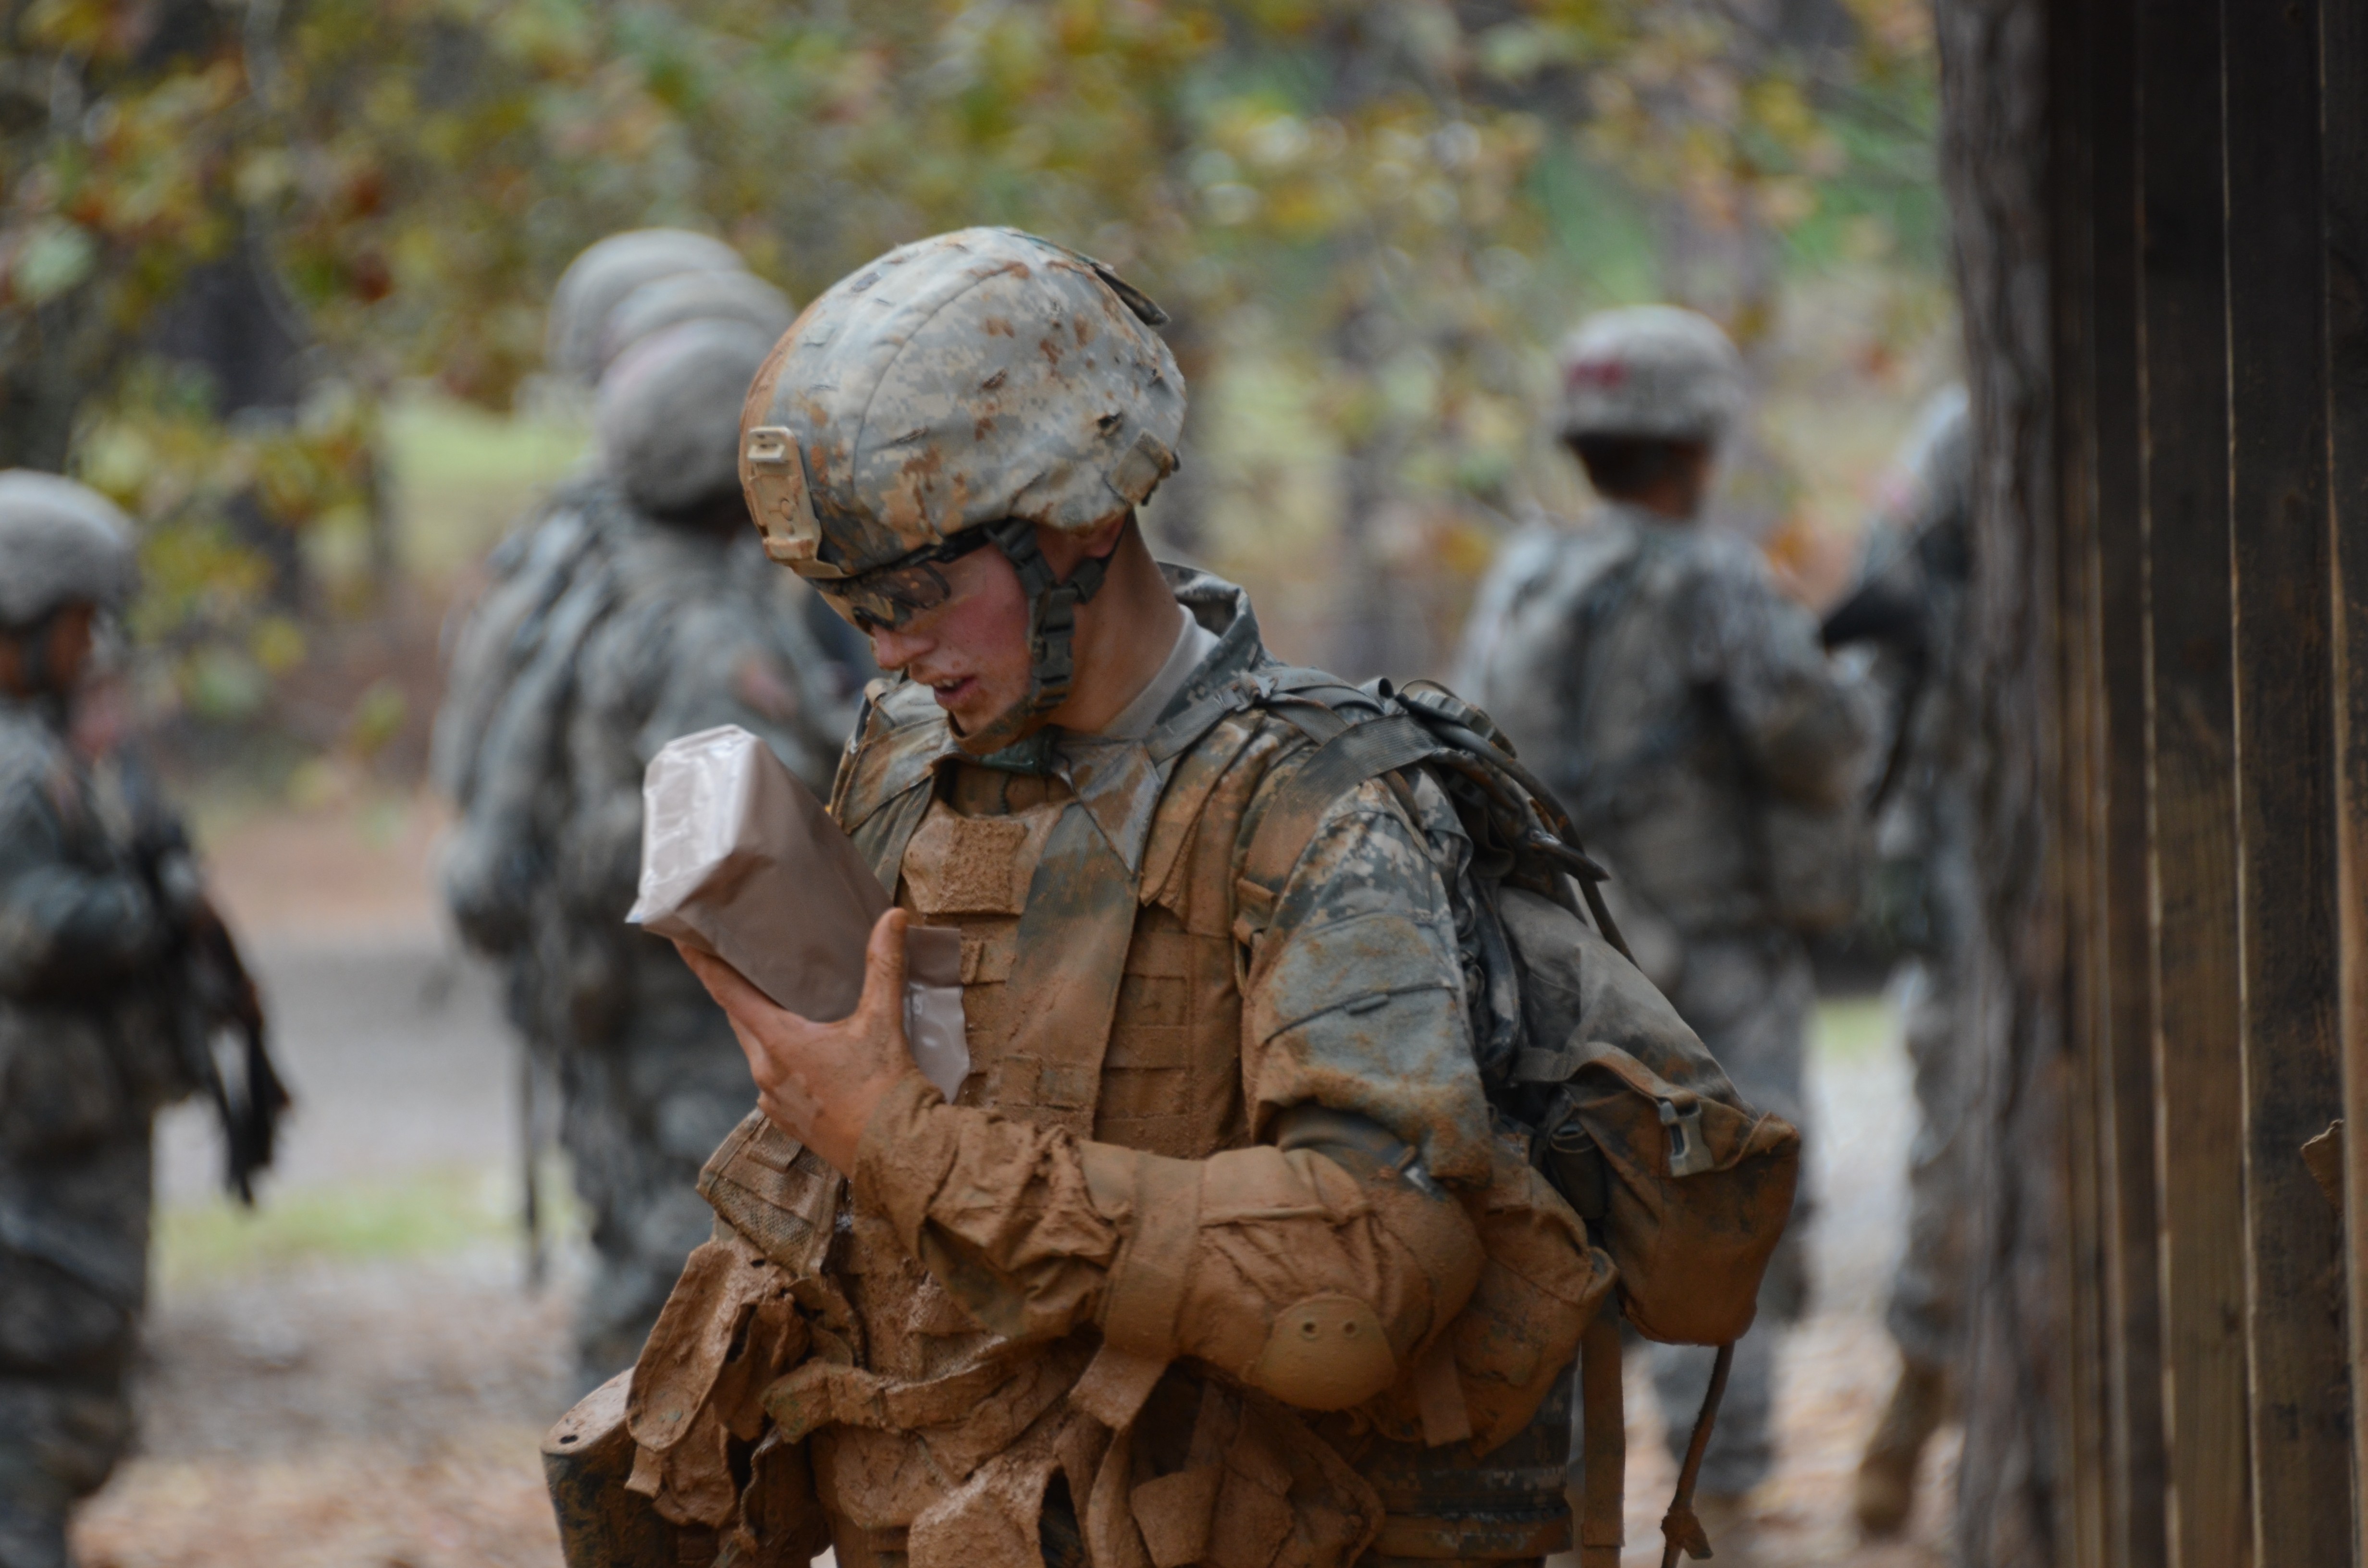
(1688, 1153)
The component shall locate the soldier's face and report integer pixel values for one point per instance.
(972, 650)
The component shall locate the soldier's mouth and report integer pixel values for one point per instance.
(951, 692)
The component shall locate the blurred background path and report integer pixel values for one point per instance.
(357, 1376)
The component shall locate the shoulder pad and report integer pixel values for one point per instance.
(903, 732)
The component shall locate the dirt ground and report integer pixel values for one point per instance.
(357, 1376)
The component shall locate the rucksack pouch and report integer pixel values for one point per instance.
(1691, 1194)
(1686, 1187)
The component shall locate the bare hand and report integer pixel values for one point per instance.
(819, 1083)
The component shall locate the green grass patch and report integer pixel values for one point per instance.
(434, 1212)
(1853, 1028)
(463, 475)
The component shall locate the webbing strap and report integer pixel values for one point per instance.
(1603, 1422)
(1358, 753)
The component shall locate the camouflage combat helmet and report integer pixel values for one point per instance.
(598, 281)
(959, 392)
(61, 543)
(741, 297)
(1653, 372)
(669, 418)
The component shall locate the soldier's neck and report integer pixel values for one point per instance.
(1125, 635)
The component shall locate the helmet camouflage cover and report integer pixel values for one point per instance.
(682, 297)
(1652, 372)
(60, 543)
(596, 282)
(962, 390)
(668, 413)
(970, 379)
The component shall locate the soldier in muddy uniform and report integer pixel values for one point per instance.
(1650, 669)
(91, 898)
(1220, 1254)
(665, 621)
(1911, 605)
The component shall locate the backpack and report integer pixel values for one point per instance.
(1683, 1185)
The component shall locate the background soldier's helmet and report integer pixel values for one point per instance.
(1653, 372)
(61, 543)
(741, 297)
(669, 418)
(959, 392)
(599, 280)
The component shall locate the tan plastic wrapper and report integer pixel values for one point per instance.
(739, 859)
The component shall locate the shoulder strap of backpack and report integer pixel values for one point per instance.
(1354, 752)
(1388, 734)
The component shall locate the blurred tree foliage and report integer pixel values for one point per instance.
(227, 227)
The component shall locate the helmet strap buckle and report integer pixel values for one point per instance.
(1052, 631)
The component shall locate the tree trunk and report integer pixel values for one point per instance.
(2012, 1483)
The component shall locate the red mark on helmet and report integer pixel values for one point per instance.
(1599, 375)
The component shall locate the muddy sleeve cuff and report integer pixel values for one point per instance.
(1282, 1269)
(995, 1208)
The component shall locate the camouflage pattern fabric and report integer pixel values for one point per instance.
(87, 1056)
(1918, 555)
(1655, 676)
(1117, 1186)
(672, 632)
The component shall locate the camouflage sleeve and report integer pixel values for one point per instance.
(1355, 994)
(654, 674)
(1355, 1005)
(1805, 728)
(763, 673)
(63, 927)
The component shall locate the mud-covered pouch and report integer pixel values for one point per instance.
(775, 1191)
(1688, 1186)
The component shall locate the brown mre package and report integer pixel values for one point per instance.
(739, 859)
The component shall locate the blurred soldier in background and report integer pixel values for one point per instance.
(1650, 669)
(637, 609)
(1910, 604)
(114, 972)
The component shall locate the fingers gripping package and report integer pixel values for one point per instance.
(741, 861)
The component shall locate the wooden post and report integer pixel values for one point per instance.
(2192, 707)
(2097, 148)
(2124, 1041)
(2343, 108)
(2284, 778)
(2091, 1500)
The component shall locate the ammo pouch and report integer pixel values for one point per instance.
(587, 1459)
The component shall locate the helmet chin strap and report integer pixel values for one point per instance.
(1052, 631)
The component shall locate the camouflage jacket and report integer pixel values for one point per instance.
(690, 602)
(528, 575)
(89, 1047)
(1919, 558)
(1655, 675)
(700, 631)
(1116, 1256)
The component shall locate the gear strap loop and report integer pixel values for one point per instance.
(1603, 1425)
